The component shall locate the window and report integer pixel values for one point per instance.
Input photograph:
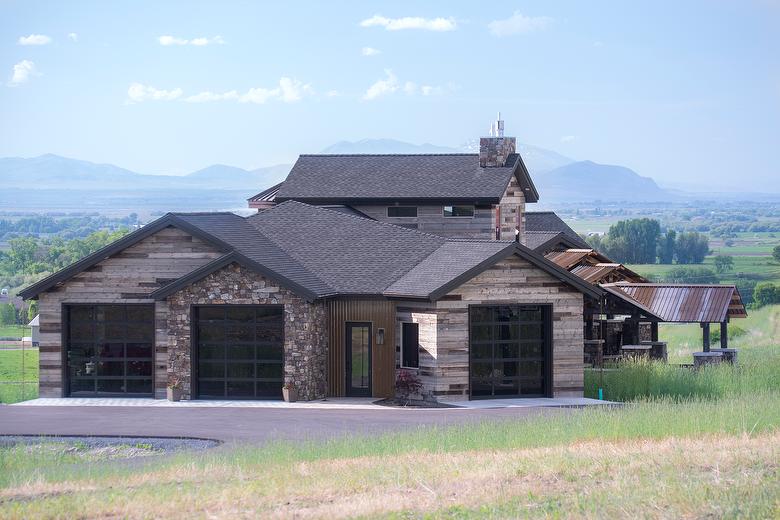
(410, 345)
(402, 211)
(458, 211)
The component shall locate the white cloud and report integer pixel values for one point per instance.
(22, 72)
(288, 91)
(34, 39)
(138, 93)
(332, 93)
(74, 37)
(568, 138)
(390, 85)
(598, 44)
(203, 97)
(430, 90)
(410, 22)
(382, 87)
(259, 95)
(369, 51)
(168, 40)
(519, 23)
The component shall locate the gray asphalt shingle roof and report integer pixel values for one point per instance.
(451, 260)
(548, 221)
(318, 252)
(353, 255)
(343, 178)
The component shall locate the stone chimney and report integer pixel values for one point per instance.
(494, 150)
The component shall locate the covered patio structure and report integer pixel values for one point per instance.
(685, 303)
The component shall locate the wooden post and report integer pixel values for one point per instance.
(705, 337)
(589, 327)
(724, 334)
(654, 331)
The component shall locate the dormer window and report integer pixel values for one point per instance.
(402, 211)
(458, 211)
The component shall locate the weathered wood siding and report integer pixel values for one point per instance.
(513, 280)
(431, 219)
(123, 278)
(381, 314)
(425, 317)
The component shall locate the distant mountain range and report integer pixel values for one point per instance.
(39, 182)
(54, 172)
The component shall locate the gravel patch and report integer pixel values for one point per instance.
(105, 448)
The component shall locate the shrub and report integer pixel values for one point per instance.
(407, 384)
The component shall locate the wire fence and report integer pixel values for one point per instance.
(18, 367)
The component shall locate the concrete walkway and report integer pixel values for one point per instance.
(333, 403)
(242, 424)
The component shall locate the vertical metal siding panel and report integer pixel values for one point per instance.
(381, 314)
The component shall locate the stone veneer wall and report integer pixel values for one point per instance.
(494, 151)
(305, 326)
(512, 209)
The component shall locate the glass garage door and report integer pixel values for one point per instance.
(509, 354)
(109, 350)
(240, 351)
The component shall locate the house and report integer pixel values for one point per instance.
(35, 333)
(354, 267)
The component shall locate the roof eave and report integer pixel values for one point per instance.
(531, 188)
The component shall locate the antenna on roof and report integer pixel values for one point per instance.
(497, 128)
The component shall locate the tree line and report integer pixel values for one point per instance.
(66, 227)
(641, 241)
(28, 259)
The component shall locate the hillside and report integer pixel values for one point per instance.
(587, 181)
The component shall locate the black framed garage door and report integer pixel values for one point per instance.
(510, 351)
(238, 351)
(109, 350)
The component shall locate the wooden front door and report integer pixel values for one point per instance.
(358, 359)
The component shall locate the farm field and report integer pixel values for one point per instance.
(11, 374)
(14, 331)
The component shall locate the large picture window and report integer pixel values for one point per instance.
(509, 350)
(410, 345)
(110, 350)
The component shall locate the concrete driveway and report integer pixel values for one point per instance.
(255, 425)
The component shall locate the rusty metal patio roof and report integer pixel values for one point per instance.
(685, 303)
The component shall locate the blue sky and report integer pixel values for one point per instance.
(685, 92)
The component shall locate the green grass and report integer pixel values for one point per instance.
(760, 268)
(553, 455)
(757, 370)
(11, 373)
(14, 331)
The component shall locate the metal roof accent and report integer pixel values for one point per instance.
(599, 273)
(683, 303)
(571, 257)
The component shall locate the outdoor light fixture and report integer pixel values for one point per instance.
(380, 336)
